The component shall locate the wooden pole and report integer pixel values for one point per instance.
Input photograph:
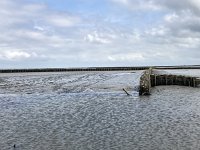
(126, 92)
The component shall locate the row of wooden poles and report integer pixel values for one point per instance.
(95, 69)
(173, 80)
(73, 69)
(149, 79)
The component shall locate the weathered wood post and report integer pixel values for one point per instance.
(194, 82)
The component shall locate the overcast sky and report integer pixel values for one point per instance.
(77, 33)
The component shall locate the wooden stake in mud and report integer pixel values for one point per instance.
(126, 92)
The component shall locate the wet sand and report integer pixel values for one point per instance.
(84, 111)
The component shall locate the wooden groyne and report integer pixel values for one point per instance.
(72, 69)
(95, 69)
(145, 83)
(149, 79)
(157, 80)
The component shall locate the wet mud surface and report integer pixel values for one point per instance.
(81, 111)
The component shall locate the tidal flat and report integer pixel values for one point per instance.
(89, 110)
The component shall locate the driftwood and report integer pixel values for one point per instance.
(126, 92)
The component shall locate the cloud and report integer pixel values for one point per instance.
(38, 28)
(33, 28)
(16, 55)
(171, 17)
(62, 20)
(159, 5)
(139, 4)
(127, 57)
(178, 29)
(96, 38)
(113, 33)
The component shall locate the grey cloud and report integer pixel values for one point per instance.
(175, 5)
(29, 27)
(182, 15)
(46, 38)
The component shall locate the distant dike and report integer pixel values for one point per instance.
(97, 69)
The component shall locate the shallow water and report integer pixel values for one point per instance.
(90, 111)
(187, 72)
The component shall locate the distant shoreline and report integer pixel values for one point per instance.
(96, 69)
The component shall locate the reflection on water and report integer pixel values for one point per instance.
(95, 115)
